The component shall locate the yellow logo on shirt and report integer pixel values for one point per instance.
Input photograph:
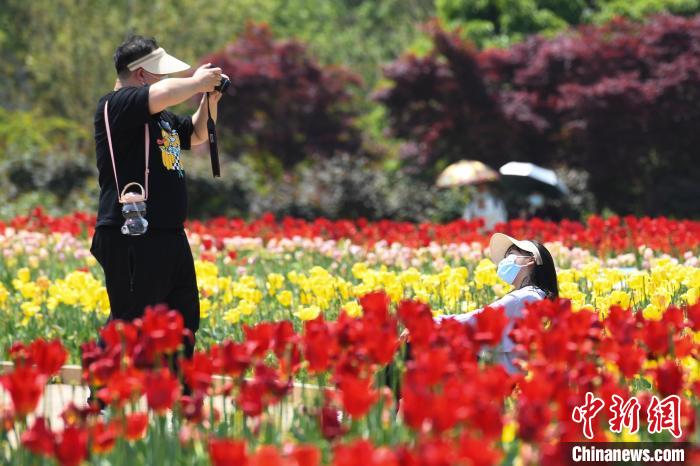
(170, 148)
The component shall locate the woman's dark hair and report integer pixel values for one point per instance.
(543, 276)
(132, 49)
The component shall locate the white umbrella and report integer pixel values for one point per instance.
(526, 170)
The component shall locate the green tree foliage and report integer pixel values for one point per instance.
(620, 101)
(503, 22)
(61, 50)
(282, 102)
(30, 133)
(57, 54)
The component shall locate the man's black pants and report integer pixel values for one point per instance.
(153, 268)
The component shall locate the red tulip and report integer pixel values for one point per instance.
(39, 439)
(49, 357)
(233, 358)
(306, 455)
(656, 337)
(104, 436)
(436, 452)
(533, 419)
(477, 452)
(123, 386)
(382, 341)
(330, 423)
(622, 325)
(227, 452)
(384, 456)
(193, 408)
(630, 359)
(683, 345)
(268, 379)
(320, 346)
(99, 365)
(71, 446)
(291, 361)
(250, 398)
(198, 371)
(432, 364)
(162, 389)
(18, 353)
(136, 425)
(25, 385)
(443, 413)
(162, 329)
(260, 338)
(416, 403)
(490, 324)
(375, 306)
(119, 333)
(418, 319)
(89, 353)
(286, 347)
(358, 396)
(673, 317)
(694, 316)
(78, 415)
(358, 453)
(267, 455)
(669, 378)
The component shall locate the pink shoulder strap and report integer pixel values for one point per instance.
(111, 152)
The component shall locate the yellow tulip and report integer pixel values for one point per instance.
(232, 316)
(285, 298)
(509, 431)
(24, 275)
(353, 309)
(652, 312)
(204, 307)
(308, 312)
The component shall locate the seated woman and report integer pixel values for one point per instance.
(529, 267)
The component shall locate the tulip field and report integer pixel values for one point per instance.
(300, 358)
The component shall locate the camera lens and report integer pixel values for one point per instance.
(223, 85)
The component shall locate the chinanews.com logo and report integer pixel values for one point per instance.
(635, 453)
(662, 415)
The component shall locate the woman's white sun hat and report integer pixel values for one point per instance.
(159, 62)
(500, 243)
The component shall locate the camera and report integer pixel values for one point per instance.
(223, 85)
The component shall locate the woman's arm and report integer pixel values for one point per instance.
(468, 317)
(506, 302)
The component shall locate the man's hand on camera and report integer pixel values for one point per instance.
(207, 78)
(215, 96)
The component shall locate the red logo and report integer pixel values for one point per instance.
(661, 414)
(585, 413)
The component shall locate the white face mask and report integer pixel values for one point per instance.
(508, 269)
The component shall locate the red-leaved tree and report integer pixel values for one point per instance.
(283, 103)
(621, 101)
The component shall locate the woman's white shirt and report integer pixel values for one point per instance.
(513, 304)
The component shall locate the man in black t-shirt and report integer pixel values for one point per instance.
(156, 267)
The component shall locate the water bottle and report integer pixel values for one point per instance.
(134, 211)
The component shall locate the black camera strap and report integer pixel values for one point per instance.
(213, 147)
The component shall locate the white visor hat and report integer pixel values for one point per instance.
(159, 62)
(500, 243)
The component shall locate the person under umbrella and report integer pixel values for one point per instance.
(484, 203)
